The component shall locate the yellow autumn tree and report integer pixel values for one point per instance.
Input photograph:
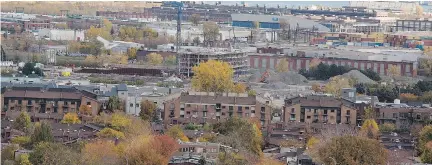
(282, 66)
(154, 59)
(213, 76)
(71, 118)
(131, 53)
(239, 88)
(312, 142)
(369, 129)
(176, 132)
(101, 152)
(110, 133)
(408, 97)
(336, 84)
(393, 71)
(85, 109)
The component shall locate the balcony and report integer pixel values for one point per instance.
(171, 115)
(65, 106)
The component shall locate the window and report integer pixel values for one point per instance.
(292, 110)
(204, 114)
(332, 111)
(73, 102)
(231, 108)
(325, 112)
(348, 112)
(72, 109)
(223, 107)
(247, 114)
(394, 115)
(205, 107)
(88, 103)
(246, 108)
(131, 104)
(292, 117)
(181, 116)
(188, 113)
(29, 102)
(188, 105)
(137, 105)
(19, 101)
(308, 117)
(253, 111)
(240, 109)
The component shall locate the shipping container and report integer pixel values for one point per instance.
(357, 44)
(365, 44)
(329, 43)
(386, 44)
(350, 43)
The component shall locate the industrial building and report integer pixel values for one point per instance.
(379, 60)
(273, 22)
(413, 25)
(192, 57)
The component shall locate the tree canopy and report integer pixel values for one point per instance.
(353, 150)
(212, 76)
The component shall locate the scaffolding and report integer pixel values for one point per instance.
(188, 59)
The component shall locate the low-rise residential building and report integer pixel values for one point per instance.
(203, 107)
(320, 109)
(45, 103)
(402, 115)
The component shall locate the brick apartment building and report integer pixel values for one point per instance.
(320, 109)
(402, 117)
(268, 58)
(202, 107)
(51, 103)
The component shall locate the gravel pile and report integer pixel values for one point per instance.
(288, 78)
(360, 77)
(275, 85)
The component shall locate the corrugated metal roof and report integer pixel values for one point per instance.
(292, 20)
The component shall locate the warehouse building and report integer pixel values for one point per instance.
(413, 25)
(273, 21)
(300, 57)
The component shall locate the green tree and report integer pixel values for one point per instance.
(29, 68)
(21, 140)
(42, 133)
(176, 132)
(114, 103)
(148, 109)
(71, 118)
(8, 152)
(426, 156)
(353, 150)
(241, 134)
(131, 52)
(425, 137)
(22, 122)
(171, 60)
(53, 154)
(426, 97)
(110, 133)
(154, 58)
(387, 127)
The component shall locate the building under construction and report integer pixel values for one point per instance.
(189, 58)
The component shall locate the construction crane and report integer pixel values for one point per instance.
(179, 6)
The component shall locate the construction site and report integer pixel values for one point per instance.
(189, 58)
